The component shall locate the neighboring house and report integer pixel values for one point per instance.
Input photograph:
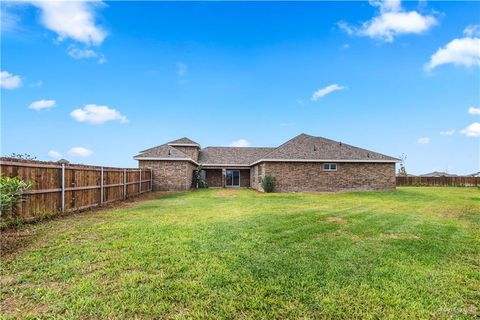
(438, 174)
(302, 164)
(476, 174)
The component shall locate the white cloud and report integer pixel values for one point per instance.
(460, 52)
(240, 143)
(182, 69)
(96, 114)
(81, 53)
(447, 132)
(472, 130)
(324, 91)
(80, 152)
(72, 19)
(390, 22)
(474, 111)
(424, 140)
(472, 30)
(42, 104)
(54, 154)
(348, 29)
(9, 81)
(77, 53)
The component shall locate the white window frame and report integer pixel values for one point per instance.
(329, 164)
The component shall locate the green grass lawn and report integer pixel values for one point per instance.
(409, 253)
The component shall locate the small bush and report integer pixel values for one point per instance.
(199, 178)
(268, 182)
(11, 193)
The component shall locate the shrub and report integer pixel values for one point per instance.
(199, 178)
(268, 182)
(11, 193)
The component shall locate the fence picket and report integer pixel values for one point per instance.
(79, 188)
(439, 181)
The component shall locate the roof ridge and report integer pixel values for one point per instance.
(359, 148)
(238, 147)
(168, 147)
(304, 135)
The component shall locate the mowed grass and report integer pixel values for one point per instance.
(409, 253)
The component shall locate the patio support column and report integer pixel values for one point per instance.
(224, 173)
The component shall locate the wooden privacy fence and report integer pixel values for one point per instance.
(439, 181)
(65, 187)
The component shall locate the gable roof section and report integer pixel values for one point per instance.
(309, 148)
(179, 142)
(241, 156)
(163, 152)
(183, 142)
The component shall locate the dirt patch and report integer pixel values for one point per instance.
(338, 220)
(21, 308)
(6, 280)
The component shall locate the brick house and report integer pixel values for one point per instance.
(302, 164)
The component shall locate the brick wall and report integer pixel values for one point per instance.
(214, 178)
(192, 152)
(256, 176)
(170, 175)
(245, 178)
(310, 177)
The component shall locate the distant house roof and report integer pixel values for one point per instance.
(476, 174)
(231, 155)
(310, 148)
(438, 174)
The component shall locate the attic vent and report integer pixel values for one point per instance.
(314, 148)
(168, 152)
(340, 143)
(368, 155)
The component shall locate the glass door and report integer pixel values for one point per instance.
(232, 178)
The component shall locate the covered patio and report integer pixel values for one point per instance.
(227, 177)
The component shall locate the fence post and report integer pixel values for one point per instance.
(101, 186)
(140, 181)
(151, 180)
(63, 187)
(124, 184)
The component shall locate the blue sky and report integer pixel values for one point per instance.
(397, 78)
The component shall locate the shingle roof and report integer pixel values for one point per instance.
(183, 140)
(231, 155)
(301, 147)
(306, 147)
(164, 152)
(177, 142)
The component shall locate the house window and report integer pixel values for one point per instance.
(329, 167)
